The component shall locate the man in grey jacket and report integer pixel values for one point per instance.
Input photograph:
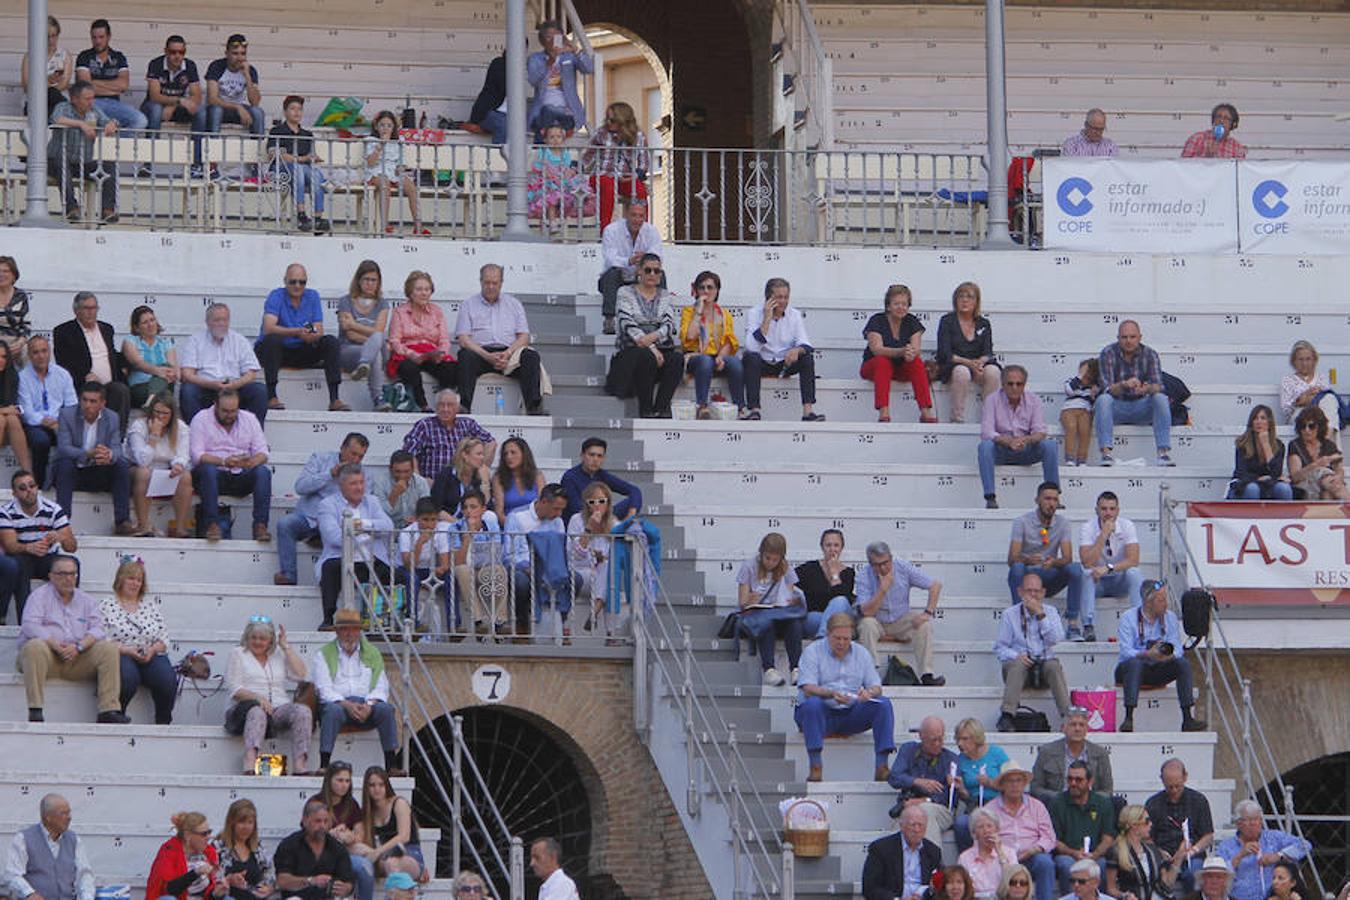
(1049, 775)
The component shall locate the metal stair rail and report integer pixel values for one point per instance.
(397, 641)
(1229, 694)
(663, 648)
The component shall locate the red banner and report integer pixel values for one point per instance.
(1271, 553)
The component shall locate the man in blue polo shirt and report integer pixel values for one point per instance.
(292, 336)
(108, 71)
(173, 92)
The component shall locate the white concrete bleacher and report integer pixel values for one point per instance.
(383, 52)
(866, 475)
(906, 75)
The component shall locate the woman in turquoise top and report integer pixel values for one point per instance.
(977, 766)
(151, 359)
(517, 481)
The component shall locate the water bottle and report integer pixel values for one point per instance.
(501, 404)
(1219, 132)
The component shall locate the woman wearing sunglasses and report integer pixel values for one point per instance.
(649, 362)
(470, 886)
(1315, 464)
(186, 866)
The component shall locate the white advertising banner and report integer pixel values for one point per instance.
(1294, 207)
(1141, 206)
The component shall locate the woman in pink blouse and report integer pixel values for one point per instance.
(419, 340)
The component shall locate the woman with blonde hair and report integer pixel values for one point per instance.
(186, 865)
(588, 553)
(965, 349)
(617, 159)
(255, 683)
(138, 630)
(159, 440)
(245, 864)
(1017, 883)
(771, 605)
(1305, 388)
(1135, 867)
(471, 886)
(468, 470)
(419, 340)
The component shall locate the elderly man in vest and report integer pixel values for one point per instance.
(353, 690)
(47, 861)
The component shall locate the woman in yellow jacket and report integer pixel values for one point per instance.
(710, 345)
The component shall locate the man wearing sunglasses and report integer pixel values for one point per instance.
(34, 532)
(292, 336)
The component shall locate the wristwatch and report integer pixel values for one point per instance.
(1110, 567)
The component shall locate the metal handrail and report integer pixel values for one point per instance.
(811, 67)
(400, 646)
(1229, 692)
(672, 656)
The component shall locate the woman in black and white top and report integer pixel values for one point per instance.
(14, 326)
(649, 362)
(138, 630)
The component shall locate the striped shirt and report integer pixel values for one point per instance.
(1079, 145)
(28, 529)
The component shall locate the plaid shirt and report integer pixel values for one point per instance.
(606, 156)
(433, 446)
(1202, 144)
(1079, 145)
(1115, 367)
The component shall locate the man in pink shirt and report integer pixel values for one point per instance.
(229, 456)
(62, 637)
(1012, 433)
(1024, 826)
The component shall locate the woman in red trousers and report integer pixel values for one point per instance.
(892, 354)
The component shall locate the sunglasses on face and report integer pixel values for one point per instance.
(297, 281)
(1019, 882)
(651, 270)
(1308, 426)
(1081, 880)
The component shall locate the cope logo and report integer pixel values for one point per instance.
(1072, 196)
(1268, 199)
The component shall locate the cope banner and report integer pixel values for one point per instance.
(1294, 207)
(1272, 554)
(1141, 205)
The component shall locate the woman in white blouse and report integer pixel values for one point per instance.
(588, 551)
(159, 440)
(137, 628)
(1305, 387)
(255, 680)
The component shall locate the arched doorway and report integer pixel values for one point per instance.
(539, 779)
(1321, 788)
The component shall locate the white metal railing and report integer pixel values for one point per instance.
(1228, 698)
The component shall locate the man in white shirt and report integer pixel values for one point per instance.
(544, 514)
(85, 348)
(776, 343)
(371, 551)
(216, 358)
(623, 243)
(544, 854)
(353, 690)
(61, 870)
(1108, 548)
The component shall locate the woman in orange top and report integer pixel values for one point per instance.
(710, 345)
(419, 340)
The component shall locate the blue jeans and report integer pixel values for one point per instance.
(1110, 411)
(816, 621)
(816, 719)
(157, 675)
(1115, 584)
(291, 530)
(494, 123)
(363, 871)
(193, 399)
(332, 717)
(1279, 490)
(1042, 869)
(305, 179)
(211, 481)
(124, 114)
(1132, 673)
(218, 115)
(704, 367)
(40, 443)
(990, 454)
(1054, 579)
(154, 118)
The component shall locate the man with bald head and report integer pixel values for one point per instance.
(47, 861)
(1167, 809)
(1132, 393)
(923, 773)
(292, 336)
(1092, 139)
(901, 864)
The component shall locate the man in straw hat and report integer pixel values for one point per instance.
(354, 691)
(1024, 826)
(1215, 880)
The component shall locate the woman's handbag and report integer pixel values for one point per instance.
(307, 695)
(194, 665)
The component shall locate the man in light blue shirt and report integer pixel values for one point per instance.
(883, 588)
(316, 483)
(838, 692)
(1254, 850)
(370, 545)
(44, 390)
(1151, 654)
(1027, 634)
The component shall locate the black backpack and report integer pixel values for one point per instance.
(1177, 395)
(1196, 606)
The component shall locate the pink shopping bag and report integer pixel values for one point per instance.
(1101, 706)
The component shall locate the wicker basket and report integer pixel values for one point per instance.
(809, 843)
